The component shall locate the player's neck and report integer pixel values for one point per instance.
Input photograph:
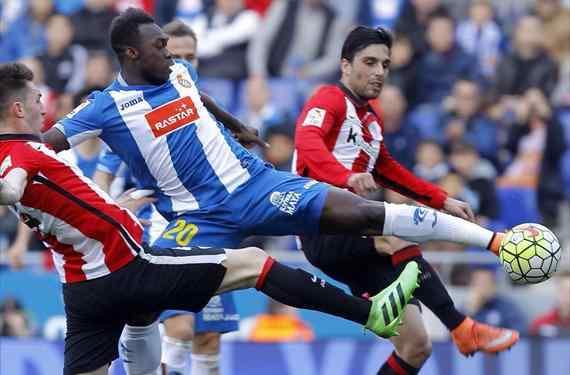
(11, 127)
(356, 99)
(132, 78)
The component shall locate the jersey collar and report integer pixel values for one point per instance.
(353, 98)
(19, 137)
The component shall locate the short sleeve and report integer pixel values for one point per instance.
(26, 156)
(84, 122)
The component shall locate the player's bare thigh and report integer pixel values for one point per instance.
(390, 244)
(243, 266)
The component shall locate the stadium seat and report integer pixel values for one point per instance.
(518, 205)
(223, 91)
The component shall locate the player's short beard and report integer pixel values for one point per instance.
(153, 78)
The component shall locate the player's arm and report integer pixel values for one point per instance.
(320, 117)
(246, 135)
(12, 186)
(19, 247)
(84, 122)
(392, 175)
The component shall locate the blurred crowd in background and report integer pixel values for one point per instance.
(477, 100)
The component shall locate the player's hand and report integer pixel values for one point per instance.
(362, 183)
(458, 208)
(249, 137)
(132, 202)
(16, 255)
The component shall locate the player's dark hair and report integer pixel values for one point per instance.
(178, 28)
(13, 83)
(125, 29)
(363, 36)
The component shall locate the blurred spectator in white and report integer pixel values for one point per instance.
(557, 43)
(414, 19)
(556, 322)
(400, 137)
(383, 13)
(225, 30)
(300, 39)
(403, 68)
(92, 22)
(479, 175)
(430, 161)
(281, 323)
(486, 305)
(99, 70)
(62, 62)
(480, 36)
(526, 66)
(14, 321)
(443, 63)
(10, 10)
(146, 5)
(185, 10)
(25, 36)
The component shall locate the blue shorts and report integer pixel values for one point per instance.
(271, 203)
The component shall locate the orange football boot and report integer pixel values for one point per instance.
(471, 337)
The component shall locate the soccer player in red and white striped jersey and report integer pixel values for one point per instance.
(339, 140)
(110, 279)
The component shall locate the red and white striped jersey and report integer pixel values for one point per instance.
(89, 234)
(338, 135)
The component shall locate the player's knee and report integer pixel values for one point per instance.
(206, 343)
(180, 327)
(417, 349)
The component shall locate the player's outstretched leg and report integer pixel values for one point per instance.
(251, 267)
(345, 212)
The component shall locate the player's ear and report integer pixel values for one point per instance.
(131, 53)
(17, 109)
(345, 66)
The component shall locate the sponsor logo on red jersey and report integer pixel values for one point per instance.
(172, 116)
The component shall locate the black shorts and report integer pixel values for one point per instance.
(352, 260)
(156, 280)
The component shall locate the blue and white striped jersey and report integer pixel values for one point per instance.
(168, 140)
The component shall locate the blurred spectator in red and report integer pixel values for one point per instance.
(300, 39)
(556, 322)
(526, 66)
(443, 63)
(63, 63)
(400, 137)
(260, 6)
(147, 5)
(414, 19)
(25, 36)
(479, 176)
(92, 22)
(14, 321)
(225, 30)
(486, 305)
(481, 37)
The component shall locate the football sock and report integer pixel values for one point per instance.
(395, 365)
(176, 355)
(297, 288)
(139, 347)
(420, 224)
(205, 364)
(431, 291)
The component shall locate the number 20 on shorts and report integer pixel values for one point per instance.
(182, 232)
